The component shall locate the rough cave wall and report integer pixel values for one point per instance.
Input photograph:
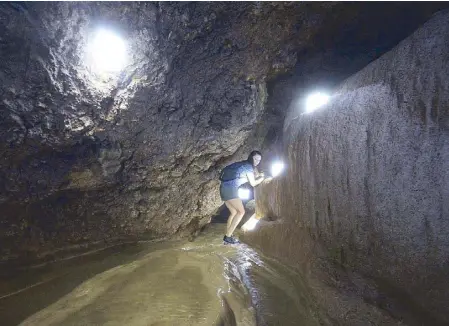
(88, 157)
(368, 178)
(337, 53)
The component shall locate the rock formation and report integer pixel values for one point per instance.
(91, 158)
(368, 180)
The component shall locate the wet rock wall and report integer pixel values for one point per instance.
(367, 182)
(89, 159)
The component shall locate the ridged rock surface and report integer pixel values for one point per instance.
(367, 183)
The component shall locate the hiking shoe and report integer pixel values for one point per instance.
(230, 240)
(235, 239)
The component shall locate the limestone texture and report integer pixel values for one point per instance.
(367, 182)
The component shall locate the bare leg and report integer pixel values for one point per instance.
(237, 204)
(232, 214)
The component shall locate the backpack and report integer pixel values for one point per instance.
(232, 171)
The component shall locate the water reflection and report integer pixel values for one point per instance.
(186, 283)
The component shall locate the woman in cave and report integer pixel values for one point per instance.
(232, 177)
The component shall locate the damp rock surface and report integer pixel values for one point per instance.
(367, 183)
(88, 158)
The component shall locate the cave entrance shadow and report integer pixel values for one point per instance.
(221, 217)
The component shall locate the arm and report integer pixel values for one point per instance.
(253, 181)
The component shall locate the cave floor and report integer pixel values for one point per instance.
(188, 283)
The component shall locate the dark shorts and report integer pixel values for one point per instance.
(228, 192)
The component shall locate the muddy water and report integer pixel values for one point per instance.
(174, 283)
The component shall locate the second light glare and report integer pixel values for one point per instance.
(315, 101)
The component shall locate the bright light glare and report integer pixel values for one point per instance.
(107, 52)
(243, 193)
(277, 168)
(315, 101)
(250, 224)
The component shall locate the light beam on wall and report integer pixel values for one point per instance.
(277, 168)
(107, 52)
(316, 100)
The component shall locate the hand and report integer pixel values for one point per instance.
(268, 179)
